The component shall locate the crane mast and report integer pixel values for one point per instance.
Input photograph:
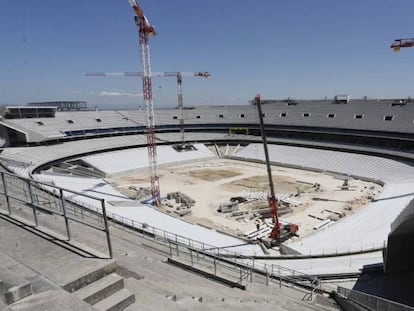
(146, 29)
(180, 100)
(180, 107)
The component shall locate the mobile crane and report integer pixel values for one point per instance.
(281, 230)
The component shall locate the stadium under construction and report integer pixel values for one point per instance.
(344, 177)
(275, 204)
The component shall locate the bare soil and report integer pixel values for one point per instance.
(215, 181)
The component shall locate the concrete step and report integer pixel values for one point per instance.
(89, 277)
(101, 288)
(51, 299)
(223, 270)
(218, 277)
(116, 302)
(20, 290)
(324, 303)
(150, 296)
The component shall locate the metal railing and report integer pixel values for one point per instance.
(371, 302)
(46, 197)
(32, 194)
(354, 249)
(220, 257)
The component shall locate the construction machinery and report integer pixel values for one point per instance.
(281, 230)
(146, 30)
(178, 75)
(402, 43)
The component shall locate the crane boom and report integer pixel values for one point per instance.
(280, 231)
(178, 75)
(402, 43)
(204, 74)
(146, 29)
(144, 24)
(272, 197)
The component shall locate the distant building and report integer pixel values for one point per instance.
(27, 112)
(62, 105)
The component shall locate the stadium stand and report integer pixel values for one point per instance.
(396, 176)
(398, 180)
(373, 118)
(366, 139)
(126, 160)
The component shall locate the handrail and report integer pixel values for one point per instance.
(158, 234)
(25, 193)
(371, 302)
(237, 259)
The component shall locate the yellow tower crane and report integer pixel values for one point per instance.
(402, 43)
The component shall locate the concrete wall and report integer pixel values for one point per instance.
(399, 255)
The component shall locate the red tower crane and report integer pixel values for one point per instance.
(145, 30)
(402, 43)
(178, 75)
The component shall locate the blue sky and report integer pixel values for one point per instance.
(298, 48)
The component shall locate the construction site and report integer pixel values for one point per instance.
(231, 196)
(293, 202)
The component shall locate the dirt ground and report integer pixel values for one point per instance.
(316, 196)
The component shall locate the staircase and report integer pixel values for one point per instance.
(107, 293)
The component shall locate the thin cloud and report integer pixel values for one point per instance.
(232, 98)
(115, 94)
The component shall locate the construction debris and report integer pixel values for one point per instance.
(179, 202)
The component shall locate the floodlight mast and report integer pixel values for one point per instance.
(145, 30)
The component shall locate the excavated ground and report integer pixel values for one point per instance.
(213, 182)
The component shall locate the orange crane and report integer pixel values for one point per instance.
(145, 30)
(402, 43)
(178, 75)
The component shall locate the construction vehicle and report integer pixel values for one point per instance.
(282, 230)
